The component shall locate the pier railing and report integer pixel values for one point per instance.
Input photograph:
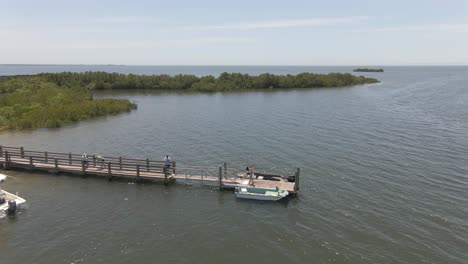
(106, 164)
(208, 173)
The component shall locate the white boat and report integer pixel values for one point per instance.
(264, 194)
(9, 202)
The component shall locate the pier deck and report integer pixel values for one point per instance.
(134, 169)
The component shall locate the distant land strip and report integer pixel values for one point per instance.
(368, 70)
(225, 82)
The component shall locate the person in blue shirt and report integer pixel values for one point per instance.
(167, 161)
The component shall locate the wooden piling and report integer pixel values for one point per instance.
(6, 159)
(83, 168)
(221, 178)
(56, 163)
(165, 175)
(296, 180)
(120, 162)
(147, 164)
(138, 172)
(46, 157)
(22, 152)
(94, 160)
(173, 166)
(70, 158)
(1, 151)
(31, 162)
(109, 171)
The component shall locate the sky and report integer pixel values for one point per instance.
(205, 32)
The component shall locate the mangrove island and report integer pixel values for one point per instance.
(367, 70)
(54, 99)
(34, 102)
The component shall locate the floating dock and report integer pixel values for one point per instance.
(135, 169)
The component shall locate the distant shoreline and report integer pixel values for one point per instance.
(99, 80)
(368, 70)
(54, 99)
(232, 65)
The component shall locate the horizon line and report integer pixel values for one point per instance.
(235, 65)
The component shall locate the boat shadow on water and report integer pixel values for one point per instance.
(12, 218)
(285, 202)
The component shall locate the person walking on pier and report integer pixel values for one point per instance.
(167, 161)
(84, 160)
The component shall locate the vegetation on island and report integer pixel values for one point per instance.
(33, 102)
(367, 70)
(225, 82)
(54, 99)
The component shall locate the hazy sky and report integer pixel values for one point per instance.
(145, 32)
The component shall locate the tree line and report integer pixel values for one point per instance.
(55, 99)
(32, 102)
(224, 82)
(368, 70)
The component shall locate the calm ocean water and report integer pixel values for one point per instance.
(384, 175)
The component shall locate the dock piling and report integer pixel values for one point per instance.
(296, 180)
(138, 172)
(31, 161)
(221, 177)
(94, 160)
(165, 175)
(1, 151)
(70, 158)
(173, 166)
(46, 157)
(56, 163)
(6, 159)
(120, 162)
(22, 152)
(109, 171)
(147, 164)
(83, 168)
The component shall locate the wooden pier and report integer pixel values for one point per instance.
(134, 169)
